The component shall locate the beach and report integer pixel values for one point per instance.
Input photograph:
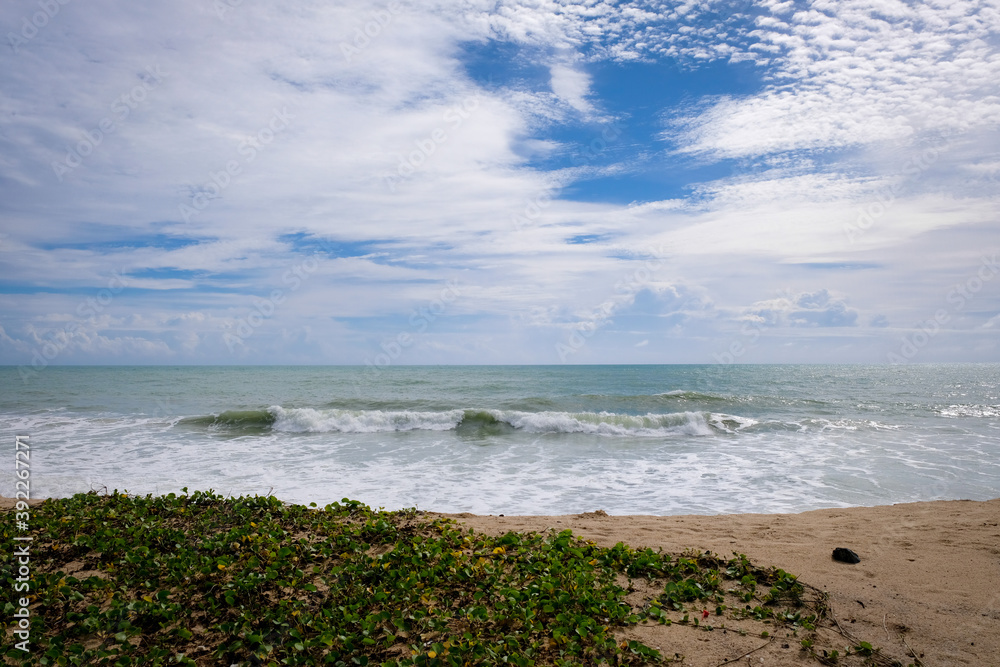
(781, 463)
(928, 580)
(929, 573)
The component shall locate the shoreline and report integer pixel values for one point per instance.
(928, 580)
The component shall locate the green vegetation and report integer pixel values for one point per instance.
(201, 579)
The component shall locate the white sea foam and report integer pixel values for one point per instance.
(987, 411)
(608, 423)
(731, 423)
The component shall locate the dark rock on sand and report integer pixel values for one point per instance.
(845, 555)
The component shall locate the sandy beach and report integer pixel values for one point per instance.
(929, 574)
(928, 580)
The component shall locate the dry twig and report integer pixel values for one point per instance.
(738, 658)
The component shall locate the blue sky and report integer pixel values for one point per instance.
(245, 181)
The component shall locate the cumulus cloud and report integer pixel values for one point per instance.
(807, 309)
(627, 31)
(855, 74)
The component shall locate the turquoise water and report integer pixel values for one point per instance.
(516, 440)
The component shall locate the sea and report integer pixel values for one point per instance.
(658, 440)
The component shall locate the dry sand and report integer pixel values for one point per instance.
(929, 574)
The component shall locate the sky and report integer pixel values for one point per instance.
(502, 182)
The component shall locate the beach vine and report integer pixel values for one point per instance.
(200, 579)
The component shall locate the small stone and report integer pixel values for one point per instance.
(845, 555)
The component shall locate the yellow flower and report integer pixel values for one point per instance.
(499, 550)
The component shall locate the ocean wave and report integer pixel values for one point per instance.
(732, 423)
(988, 411)
(685, 395)
(612, 424)
(310, 420)
(664, 397)
(234, 421)
(470, 421)
(836, 425)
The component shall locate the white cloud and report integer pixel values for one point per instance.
(572, 85)
(808, 309)
(396, 145)
(857, 74)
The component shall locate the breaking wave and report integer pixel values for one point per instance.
(464, 421)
